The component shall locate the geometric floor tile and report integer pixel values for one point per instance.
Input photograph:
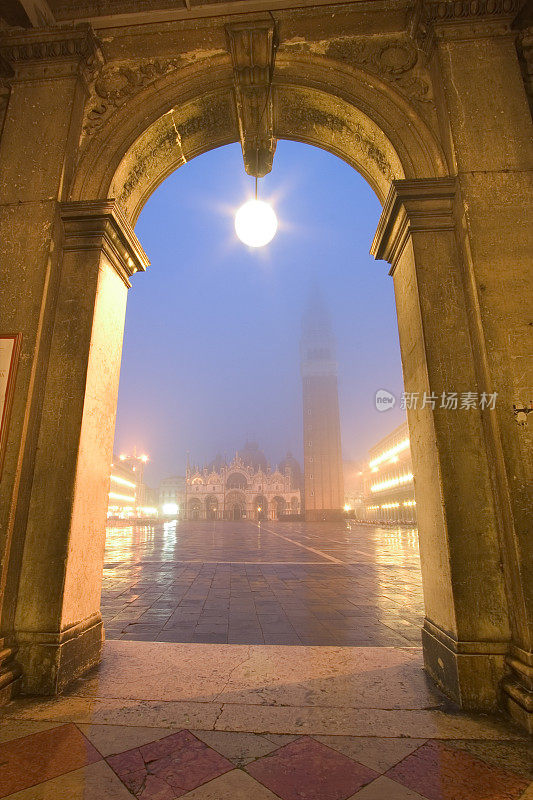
(15, 729)
(239, 748)
(308, 770)
(95, 782)
(36, 758)
(440, 772)
(168, 768)
(112, 739)
(377, 753)
(234, 785)
(384, 789)
(511, 756)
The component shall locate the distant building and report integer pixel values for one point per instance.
(127, 471)
(389, 495)
(353, 484)
(323, 476)
(246, 488)
(123, 489)
(172, 493)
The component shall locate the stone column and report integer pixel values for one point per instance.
(466, 631)
(42, 113)
(491, 141)
(58, 625)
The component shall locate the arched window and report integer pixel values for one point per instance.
(237, 481)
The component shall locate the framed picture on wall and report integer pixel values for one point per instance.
(10, 344)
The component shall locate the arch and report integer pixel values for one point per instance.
(211, 506)
(260, 507)
(342, 108)
(236, 480)
(280, 506)
(348, 93)
(235, 505)
(194, 508)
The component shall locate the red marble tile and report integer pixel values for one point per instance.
(168, 768)
(41, 756)
(308, 770)
(442, 773)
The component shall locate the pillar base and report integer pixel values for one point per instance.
(469, 673)
(10, 673)
(50, 661)
(517, 687)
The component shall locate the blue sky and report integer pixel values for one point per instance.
(210, 352)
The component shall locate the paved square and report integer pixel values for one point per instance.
(274, 583)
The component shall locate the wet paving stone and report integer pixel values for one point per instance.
(231, 582)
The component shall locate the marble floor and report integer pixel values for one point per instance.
(274, 583)
(159, 721)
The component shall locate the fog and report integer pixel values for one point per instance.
(211, 348)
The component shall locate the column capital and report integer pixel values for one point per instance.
(461, 19)
(51, 53)
(100, 225)
(412, 206)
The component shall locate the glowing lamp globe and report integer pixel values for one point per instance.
(256, 223)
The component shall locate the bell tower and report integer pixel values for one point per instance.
(323, 477)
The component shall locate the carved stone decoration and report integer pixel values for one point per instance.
(396, 60)
(58, 50)
(431, 16)
(313, 117)
(174, 138)
(253, 47)
(444, 10)
(296, 116)
(393, 59)
(116, 83)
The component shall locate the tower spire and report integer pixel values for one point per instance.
(323, 476)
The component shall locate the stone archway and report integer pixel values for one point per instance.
(416, 128)
(236, 480)
(211, 507)
(235, 505)
(194, 509)
(260, 507)
(280, 506)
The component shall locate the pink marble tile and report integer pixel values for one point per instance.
(441, 772)
(308, 770)
(41, 756)
(168, 768)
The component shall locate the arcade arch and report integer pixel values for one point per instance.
(372, 112)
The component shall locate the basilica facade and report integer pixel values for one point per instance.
(245, 488)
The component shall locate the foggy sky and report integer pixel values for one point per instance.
(211, 347)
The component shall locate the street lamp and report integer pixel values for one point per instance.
(256, 222)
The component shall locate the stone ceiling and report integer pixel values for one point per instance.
(64, 10)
